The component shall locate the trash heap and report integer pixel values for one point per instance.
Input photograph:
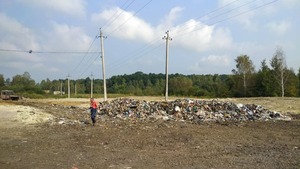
(187, 110)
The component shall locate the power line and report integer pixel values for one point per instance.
(112, 21)
(12, 50)
(130, 17)
(89, 66)
(118, 66)
(239, 14)
(84, 55)
(124, 61)
(213, 11)
(142, 50)
(121, 61)
(46, 52)
(245, 4)
(226, 12)
(113, 31)
(134, 53)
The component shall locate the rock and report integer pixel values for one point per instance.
(166, 118)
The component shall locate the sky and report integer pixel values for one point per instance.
(56, 39)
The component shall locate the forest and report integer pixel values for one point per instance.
(275, 81)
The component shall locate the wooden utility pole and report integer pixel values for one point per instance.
(167, 38)
(103, 65)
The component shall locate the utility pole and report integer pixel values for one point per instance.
(68, 85)
(167, 38)
(92, 79)
(103, 65)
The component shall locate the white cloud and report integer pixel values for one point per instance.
(45, 68)
(125, 26)
(171, 17)
(209, 62)
(279, 27)
(246, 13)
(14, 35)
(64, 37)
(192, 34)
(291, 3)
(200, 37)
(220, 60)
(70, 7)
(60, 38)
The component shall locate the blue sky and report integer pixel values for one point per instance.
(206, 36)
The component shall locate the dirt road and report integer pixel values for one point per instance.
(61, 136)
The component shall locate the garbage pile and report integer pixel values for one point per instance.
(186, 110)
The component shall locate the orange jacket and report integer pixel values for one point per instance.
(93, 104)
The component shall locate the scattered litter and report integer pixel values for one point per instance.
(187, 110)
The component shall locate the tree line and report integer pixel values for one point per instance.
(276, 80)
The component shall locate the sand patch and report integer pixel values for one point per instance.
(17, 115)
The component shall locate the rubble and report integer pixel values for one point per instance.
(187, 110)
(180, 110)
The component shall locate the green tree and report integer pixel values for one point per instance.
(180, 85)
(7, 82)
(80, 88)
(99, 86)
(264, 81)
(149, 88)
(2, 81)
(291, 84)
(24, 84)
(219, 84)
(245, 68)
(280, 71)
(46, 84)
(23, 80)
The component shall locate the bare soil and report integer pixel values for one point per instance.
(33, 137)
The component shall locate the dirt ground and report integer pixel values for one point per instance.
(57, 133)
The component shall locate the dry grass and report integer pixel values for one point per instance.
(287, 104)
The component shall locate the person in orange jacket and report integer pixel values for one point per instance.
(93, 107)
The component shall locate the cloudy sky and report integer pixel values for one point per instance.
(206, 36)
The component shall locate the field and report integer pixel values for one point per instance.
(29, 140)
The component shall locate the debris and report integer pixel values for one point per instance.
(187, 110)
(180, 110)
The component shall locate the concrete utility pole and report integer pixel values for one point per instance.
(167, 38)
(92, 79)
(68, 86)
(103, 65)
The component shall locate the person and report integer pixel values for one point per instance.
(93, 107)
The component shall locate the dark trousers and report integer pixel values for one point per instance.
(93, 115)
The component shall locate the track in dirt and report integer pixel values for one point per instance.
(158, 144)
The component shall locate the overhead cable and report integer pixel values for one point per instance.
(130, 17)
(47, 52)
(115, 18)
